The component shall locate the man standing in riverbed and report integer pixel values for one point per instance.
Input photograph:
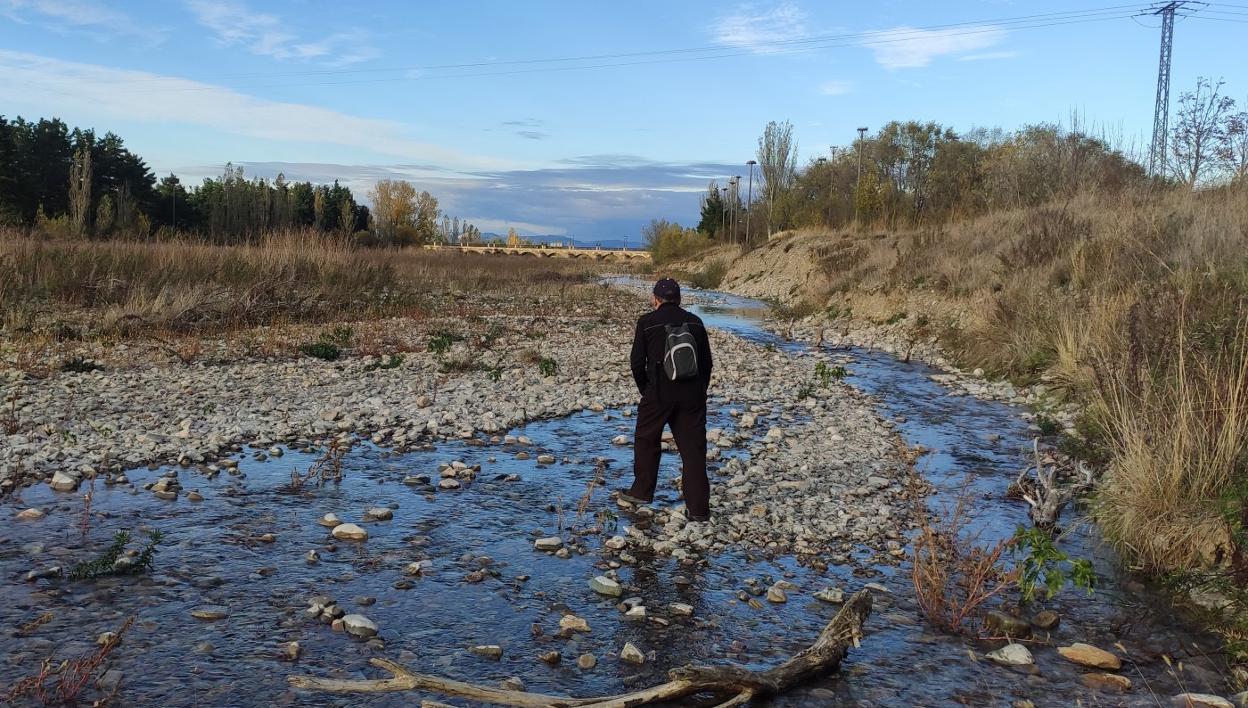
(671, 363)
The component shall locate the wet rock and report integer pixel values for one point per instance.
(449, 484)
(349, 532)
(194, 496)
(632, 654)
(835, 596)
(513, 683)
(776, 594)
(107, 638)
(417, 568)
(62, 482)
(311, 557)
(379, 513)
(291, 651)
(359, 626)
(616, 543)
(550, 543)
(620, 440)
(606, 586)
(546, 459)
(636, 614)
(1006, 625)
(1106, 682)
(110, 681)
(572, 623)
(209, 613)
(550, 657)
(680, 608)
(366, 600)
(1200, 700)
(30, 514)
(1012, 655)
(1046, 619)
(586, 661)
(1088, 655)
(489, 651)
(330, 521)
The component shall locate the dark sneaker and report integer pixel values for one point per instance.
(625, 496)
(694, 517)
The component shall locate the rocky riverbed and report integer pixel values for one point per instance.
(464, 527)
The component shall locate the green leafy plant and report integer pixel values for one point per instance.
(828, 374)
(393, 361)
(440, 343)
(322, 349)
(1044, 566)
(106, 562)
(547, 366)
(80, 365)
(496, 373)
(806, 391)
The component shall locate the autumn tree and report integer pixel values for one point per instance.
(394, 210)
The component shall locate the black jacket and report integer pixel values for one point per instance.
(646, 358)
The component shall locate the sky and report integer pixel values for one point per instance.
(582, 120)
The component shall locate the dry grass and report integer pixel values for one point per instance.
(52, 291)
(1133, 305)
(953, 575)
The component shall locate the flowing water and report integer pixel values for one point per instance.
(213, 555)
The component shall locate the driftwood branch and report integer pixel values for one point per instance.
(1044, 495)
(822, 657)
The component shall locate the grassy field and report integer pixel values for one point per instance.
(63, 302)
(73, 289)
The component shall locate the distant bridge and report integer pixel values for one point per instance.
(598, 254)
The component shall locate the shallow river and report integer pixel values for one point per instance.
(212, 556)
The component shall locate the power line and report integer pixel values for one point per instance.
(882, 38)
(775, 46)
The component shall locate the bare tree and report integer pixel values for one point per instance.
(1235, 145)
(80, 189)
(1199, 130)
(777, 160)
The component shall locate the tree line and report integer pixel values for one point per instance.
(911, 172)
(64, 182)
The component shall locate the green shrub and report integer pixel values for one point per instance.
(547, 366)
(1044, 566)
(394, 361)
(327, 351)
(710, 276)
(106, 563)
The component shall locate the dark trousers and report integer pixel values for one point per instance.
(688, 424)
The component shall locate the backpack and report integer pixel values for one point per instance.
(680, 353)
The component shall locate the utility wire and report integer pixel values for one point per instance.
(884, 38)
(1107, 12)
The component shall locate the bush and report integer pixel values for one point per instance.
(547, 366)
(322, 349)
(80, 365)
(669, 242)
(710, 276)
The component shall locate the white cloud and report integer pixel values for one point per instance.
(908, 47)
(76, 13)
(751, 27)
(836, 88)
(95, 94)
(265, 34)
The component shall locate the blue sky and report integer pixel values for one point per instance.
(478, 103)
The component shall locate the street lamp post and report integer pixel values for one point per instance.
(723, 212)
(862, 132)
(749, 202)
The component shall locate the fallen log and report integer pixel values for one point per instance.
(738, 684)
